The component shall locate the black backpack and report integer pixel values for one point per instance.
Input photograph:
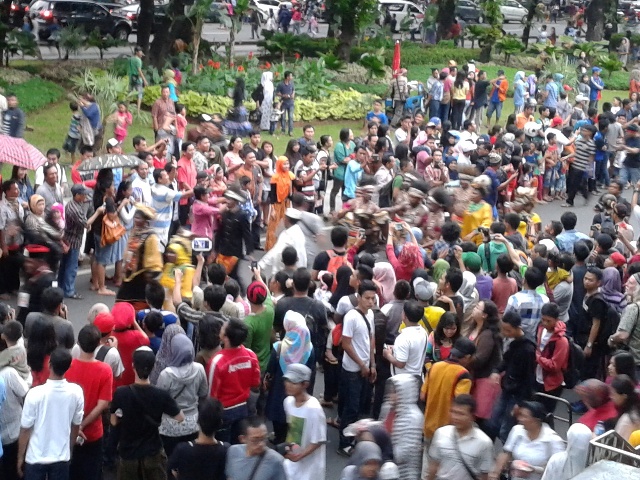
(575, 364)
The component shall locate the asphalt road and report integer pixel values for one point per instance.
(213, 33)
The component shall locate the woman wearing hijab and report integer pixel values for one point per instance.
(595, 395)
(37, 230)
(440, 267)
(409, 259)
(469, 296)
(519, 92)
(295, 347)
(164, 355)
(611, 289)
(267, 102)
(570, 463)
(385, 278)
(186, 382)
(281, 183)
(365, 463)
(403, 420)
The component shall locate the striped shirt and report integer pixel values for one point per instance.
(585, 151)
(162, 202)
(75, 224)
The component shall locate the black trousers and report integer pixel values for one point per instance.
(10, 267)
(9, 461)
(86, 462)
(576, 182)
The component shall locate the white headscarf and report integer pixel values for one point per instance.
(267, 83)
(568, 464)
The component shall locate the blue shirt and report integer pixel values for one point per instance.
(351, 176)
(518, 93)
(495, 95)
(437, 91)
(594, 83)
(528, 304)
(552, 95)
(492, 195)
(92, 112)
(3, 396)
(380, 116)
(568, 238)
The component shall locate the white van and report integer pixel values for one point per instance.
(401, 9)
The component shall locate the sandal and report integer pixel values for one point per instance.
(75, 296)
(332, 422)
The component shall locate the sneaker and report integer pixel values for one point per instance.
(345, 451)
(579, 407)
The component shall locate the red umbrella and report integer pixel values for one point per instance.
(395, 65)
(17, 151)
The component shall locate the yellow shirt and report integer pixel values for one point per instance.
(460, 93)
(480, 218)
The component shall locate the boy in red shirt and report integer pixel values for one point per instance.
(96, 380)
(129, 336)
(232, 374)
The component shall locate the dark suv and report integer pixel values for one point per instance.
(88, 15)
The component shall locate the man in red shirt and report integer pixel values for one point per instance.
(96, 379)
(187, 173)
(232, 374)
(129, 336)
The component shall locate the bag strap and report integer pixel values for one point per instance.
(102, 353)
(257, 465)
(427, 324)
(466, 466)
(366, 320)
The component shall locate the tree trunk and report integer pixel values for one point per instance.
(446, 15)
(5, 10)
(595, 18)
(347, 36)
(527, 28)
(485, 53)
(180, 28)
(232, 41)
(145, 24)
(197, 35)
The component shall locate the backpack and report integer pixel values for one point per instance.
(610, 327)
(335, 262)
(606, 222)
(575, 364)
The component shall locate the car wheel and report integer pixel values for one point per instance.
(480, 19)
(122, 34)
(524, 20)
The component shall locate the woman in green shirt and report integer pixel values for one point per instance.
(341, 154)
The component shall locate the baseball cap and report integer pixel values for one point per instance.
(424, 291)
(205, 118)
(139, 49)
(293, 213)
(618, 259)
(257, 293)
(435, 120)
(581, 98)
(482, 139)
(463, 347)
(556, 121)
(79, 189)
(297, 373)
(105, 322)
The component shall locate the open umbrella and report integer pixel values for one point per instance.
(108, 161)
(17, 151)
(395, 64)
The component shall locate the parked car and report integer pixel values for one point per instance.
(85, 14)
(17, 12)
(513, 11)
(132, 11)
(401, 9)
(469, 11)
(266, 6)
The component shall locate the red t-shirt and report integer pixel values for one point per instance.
(600, 414)
(96, 379)
(39, 378)
(232, 374)
(128, 341)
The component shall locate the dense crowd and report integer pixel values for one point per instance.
(444, 316)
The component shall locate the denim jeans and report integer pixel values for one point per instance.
(443, 114)
(287, 111)
(502, 421)
(46, 471)
(230, 430)
(67, 272)
(352, 387)
(602, 172)
(434, 108)
(494, 107)
(629, 174)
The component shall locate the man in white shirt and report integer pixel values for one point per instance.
(291, 236)
(306, 458)
(469, 131)
(51, 418)
(461, 448)
(142, 186)
(53, 158)
(358, 362)
(402, 133)
(408, 352)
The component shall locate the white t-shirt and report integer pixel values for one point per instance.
(307, 426)
(401, 136)
(535, 452)
(49, 410)
(410, 347)
(112, 358)
(355, 327)
(62, 175)
(345, 305)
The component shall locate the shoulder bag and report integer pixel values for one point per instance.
(466, 466)
(112, 231)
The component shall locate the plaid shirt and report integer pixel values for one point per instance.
(528, 304)
(76, 223)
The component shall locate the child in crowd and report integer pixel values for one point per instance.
(276, 113)
(323, 294)
(123, 121)
(181, 125)
(152, 323)
(73, 135)
(15, 355)
(247, 205)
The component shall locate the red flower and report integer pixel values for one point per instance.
(210, 63)
(200, 67)
(267, 65)
(250, 55)
(241, 68)
(297, 55)
(215, 65)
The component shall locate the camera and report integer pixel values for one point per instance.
(484, 231)
(283, 448)
(201, 245)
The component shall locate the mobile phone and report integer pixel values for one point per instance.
(399, 227)
(201, 245)
(254, 265)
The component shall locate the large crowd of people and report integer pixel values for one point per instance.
(445, 315)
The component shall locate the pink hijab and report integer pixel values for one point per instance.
(385, 277)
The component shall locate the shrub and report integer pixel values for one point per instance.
(36, 93)
(432, 55)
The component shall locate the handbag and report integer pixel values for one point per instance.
(485, 392)
(112, 231)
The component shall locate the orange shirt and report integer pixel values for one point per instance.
(522, 119)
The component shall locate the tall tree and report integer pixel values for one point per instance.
(531, 13)
(234, 24)
(595, 18)
(352, 16)
(145, 24)
(445, 18)
(173, 26)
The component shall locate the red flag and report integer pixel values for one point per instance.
(395, 66)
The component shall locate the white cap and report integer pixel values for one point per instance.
(293, 213)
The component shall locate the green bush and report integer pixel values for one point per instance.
(414, 54)
(35, 94)
(376, 89)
